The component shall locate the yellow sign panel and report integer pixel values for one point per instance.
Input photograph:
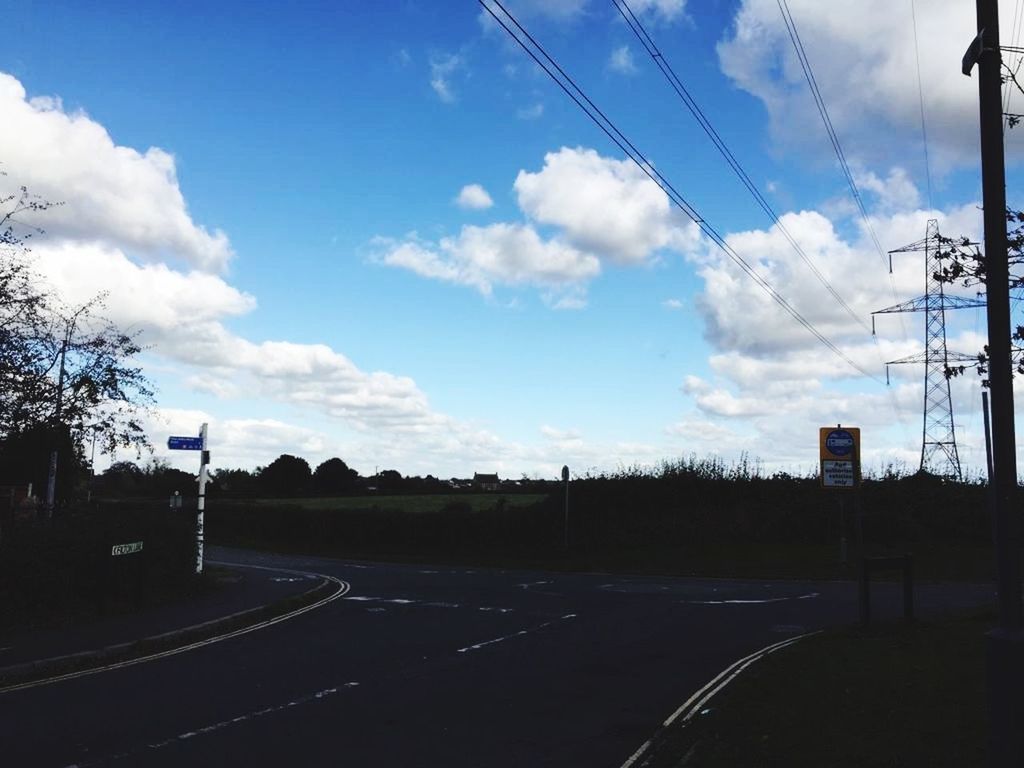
(840, 456)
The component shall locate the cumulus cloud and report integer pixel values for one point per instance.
(181, 315)
(480, 257)
(603, 205)
(474, 197)
(603, 210)
(621, 61)
(863, 57)
(740, 316)
(771, 384)
(112, 194)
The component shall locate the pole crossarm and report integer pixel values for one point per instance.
(924, 357)
(931, 303)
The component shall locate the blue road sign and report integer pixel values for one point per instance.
(839, 442)
(185, 443)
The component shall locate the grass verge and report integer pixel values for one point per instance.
(894, 695)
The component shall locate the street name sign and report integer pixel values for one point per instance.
(126, 549)
(840, 456)
(185, 443)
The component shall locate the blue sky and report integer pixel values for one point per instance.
(271, 194)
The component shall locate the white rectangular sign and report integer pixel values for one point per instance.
(837, 474)
(126, 549)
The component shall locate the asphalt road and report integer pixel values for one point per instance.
(434, 666)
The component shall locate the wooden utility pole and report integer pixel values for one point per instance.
(1005, 642)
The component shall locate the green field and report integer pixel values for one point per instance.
(477, 502)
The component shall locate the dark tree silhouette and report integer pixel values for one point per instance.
(286, 475)
(334, 476)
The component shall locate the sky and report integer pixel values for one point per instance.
(379, 231)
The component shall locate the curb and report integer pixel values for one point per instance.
(653, 750)
(41, 669)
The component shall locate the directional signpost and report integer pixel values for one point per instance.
(185, 443)
(189, 443)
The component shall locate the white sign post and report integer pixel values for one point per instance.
(176, 443)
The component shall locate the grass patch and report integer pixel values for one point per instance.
(895, 695)
(415, 504)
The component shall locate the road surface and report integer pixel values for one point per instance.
(434, 666)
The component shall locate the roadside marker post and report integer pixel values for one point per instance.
(178, 443)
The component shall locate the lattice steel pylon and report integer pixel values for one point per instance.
(938, 435)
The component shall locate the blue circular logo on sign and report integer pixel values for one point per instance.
(839, 442)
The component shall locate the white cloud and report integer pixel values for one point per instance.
(604, 210)
(509, 254)
(772, 384)
(740, 316)
(112, 194)
(603, 205)
(863, 58)
(672, 304)
(474, 197)
(621, 61)
(533, 112)
(442, 67)
(554, 10)
(669, 10)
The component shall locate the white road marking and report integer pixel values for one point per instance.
(520, 633)
(425, 604)
(262, 712)
(343, 587)
(696, 702)
(533, 584)
(808, 596)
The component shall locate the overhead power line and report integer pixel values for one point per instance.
(663, 64)
(541, 57)
(920, 101)
(805, 65)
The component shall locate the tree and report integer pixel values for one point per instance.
(237, 482)
(286, 475)
(390, 480)
(68, 371)
(334, 476)
(963, 263)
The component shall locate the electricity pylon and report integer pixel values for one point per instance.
(938, 436)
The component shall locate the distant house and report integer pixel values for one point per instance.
(486, 482)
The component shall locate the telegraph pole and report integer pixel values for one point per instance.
(1005, 642)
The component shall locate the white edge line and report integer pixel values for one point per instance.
(344, 587)
(702, 696)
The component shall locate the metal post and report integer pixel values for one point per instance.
(201, 505)
(565, 479)
(843, 545)
(1006, 642)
